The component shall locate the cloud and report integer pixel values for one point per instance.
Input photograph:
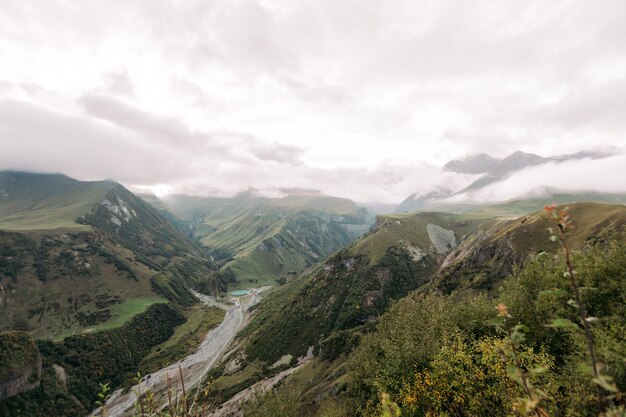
(35, 138)
(173, 132)
(118, 82)
(108, 146)
(359, 98)
(278, 153)
(124, 115)
(575, 175)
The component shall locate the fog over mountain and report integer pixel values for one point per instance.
(359, 99)
(312, 208)
(484, 179)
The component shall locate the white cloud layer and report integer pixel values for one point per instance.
(362, 99)
(604, 175)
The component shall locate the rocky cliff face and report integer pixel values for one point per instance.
(20, 364)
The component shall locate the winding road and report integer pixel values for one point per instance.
(195, 366)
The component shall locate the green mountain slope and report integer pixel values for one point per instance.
(77, 256)
(533, 201)
(441, 268)
(35, 201)
(260, 239)
(355, 285)
(520, 206)
(486, 258)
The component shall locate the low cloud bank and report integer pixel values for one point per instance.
(605, 175)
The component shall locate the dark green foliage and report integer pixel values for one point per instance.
(12, 249)
(17, 352)
(145, 232)
(111, 355)
(49, 399)
(199, 321)
(410, 338)
(285, 403)
(346, 292)
(339, 343)
(175, 282)
(122, 266)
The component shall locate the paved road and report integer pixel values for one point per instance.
(194, 366)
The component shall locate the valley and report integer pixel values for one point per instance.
(274, 208)
(191, 368)
(260, 240)
(302, 303)
(99, 256)
(385, 304)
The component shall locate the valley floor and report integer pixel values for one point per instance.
(195, 366)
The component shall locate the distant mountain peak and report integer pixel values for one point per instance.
(486, 164)
(487, 170)
(472, 164)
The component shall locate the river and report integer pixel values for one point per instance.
(195, 366)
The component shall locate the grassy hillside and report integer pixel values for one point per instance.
(46, 202)
(437, 329)
(412, 230)
(437, 353)
(329, 307)
(83, 256)
(482, 261)
(354, 286)
(73, 369)
(101, 278)
(259, 239)
(521, 205)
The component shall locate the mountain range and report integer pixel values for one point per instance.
(98, 282)
(79, 256)
(365, 310)
(259, 239)
(467, 176)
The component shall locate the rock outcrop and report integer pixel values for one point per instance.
(20, 364)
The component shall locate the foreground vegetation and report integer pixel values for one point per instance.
(88, 359)
(438, 354)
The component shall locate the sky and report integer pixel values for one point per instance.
(356, 98)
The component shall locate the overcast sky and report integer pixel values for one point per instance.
(363, 99)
